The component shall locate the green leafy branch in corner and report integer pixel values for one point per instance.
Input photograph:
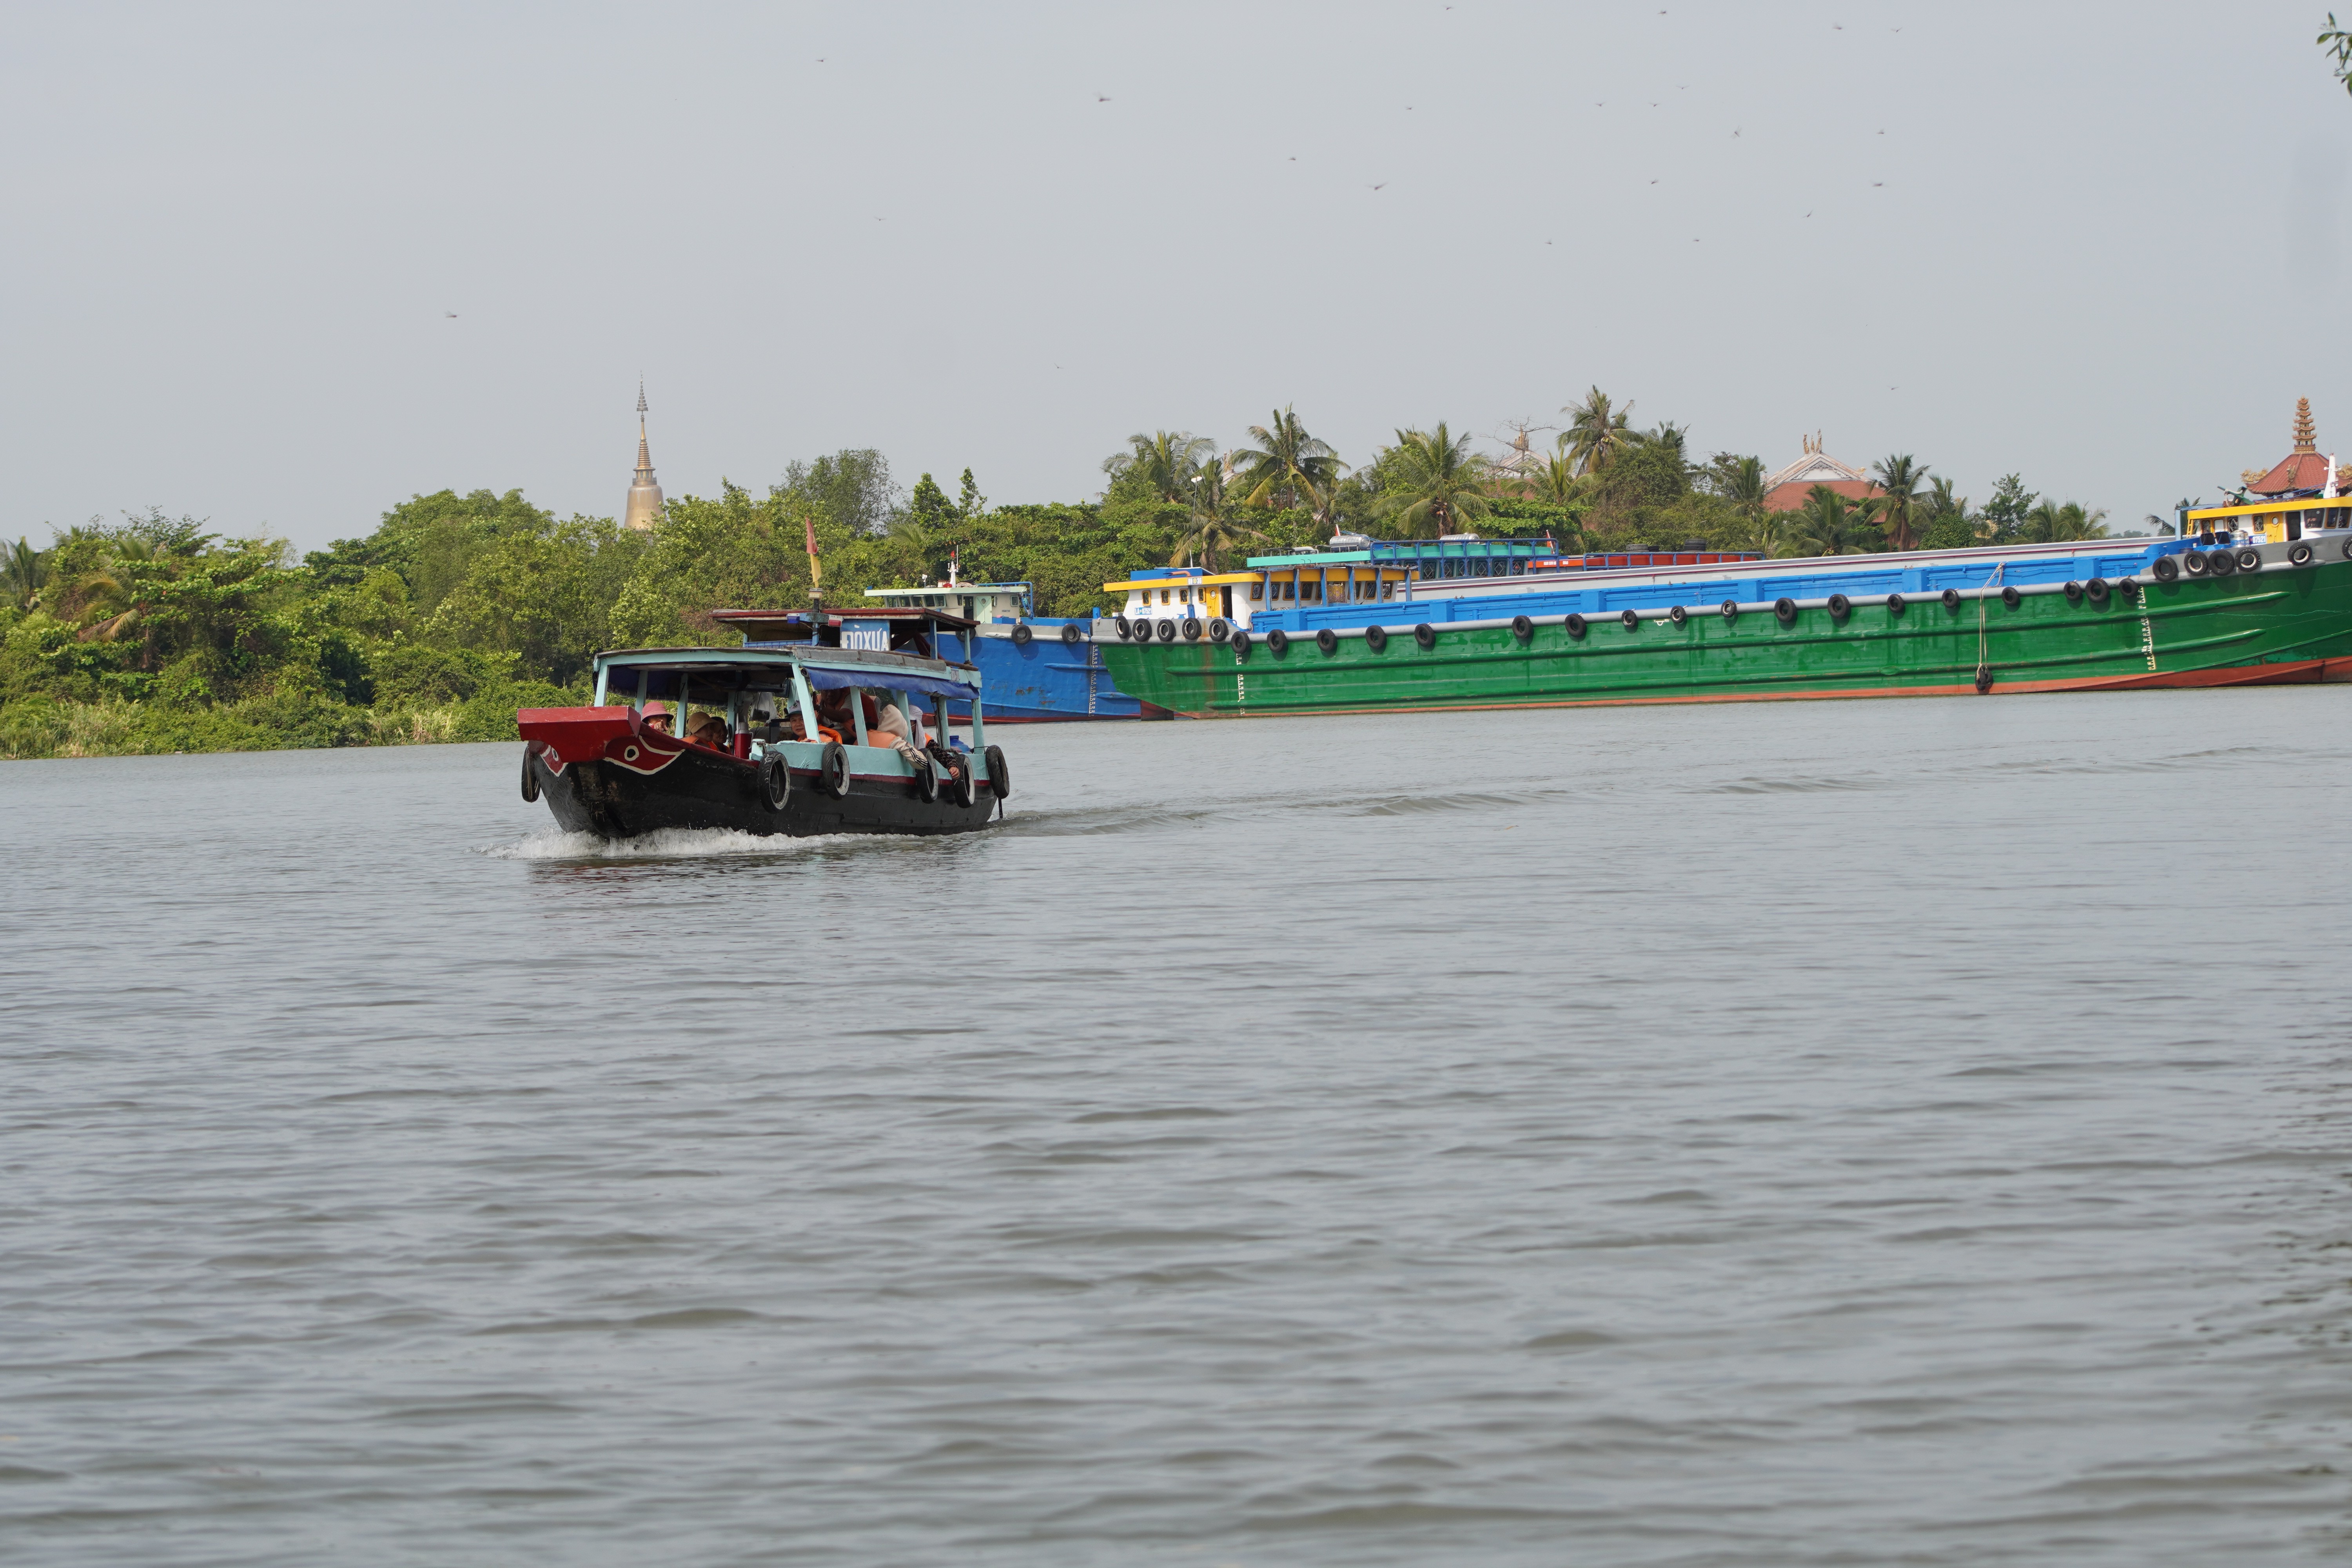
(2337, 42)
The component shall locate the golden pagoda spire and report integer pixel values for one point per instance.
(2306, 438)
(645, 496)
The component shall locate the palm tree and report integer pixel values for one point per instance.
(2049, 524)
(1829, 524)
(1290, 464)
(1942, 503)
(1440, 482)
(1595, 433)
(1165, 458)
(24, 569)
(1212, 535)
(1900, 477)
(1743, 487)
(1557, 482)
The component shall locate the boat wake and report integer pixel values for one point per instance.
(667, 844)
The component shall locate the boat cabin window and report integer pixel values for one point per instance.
(1257, 592)
(1183, 596)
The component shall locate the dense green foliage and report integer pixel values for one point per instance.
(154, 634)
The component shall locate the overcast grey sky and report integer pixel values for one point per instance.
(2101, 245)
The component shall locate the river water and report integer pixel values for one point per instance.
(1832, 1132)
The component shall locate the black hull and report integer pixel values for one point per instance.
(704, 789)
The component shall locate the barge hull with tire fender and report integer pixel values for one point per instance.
(2096, 616)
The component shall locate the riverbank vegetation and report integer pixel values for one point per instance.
(158, 633)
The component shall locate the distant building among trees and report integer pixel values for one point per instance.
(1786, 490)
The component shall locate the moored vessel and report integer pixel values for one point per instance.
(1038, 668)
(2272, 604)
(795, 734)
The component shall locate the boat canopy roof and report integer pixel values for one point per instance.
(824, 667)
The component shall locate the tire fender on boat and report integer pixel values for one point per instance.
(1168, 631)
(1278, 641)
(775, 779)
(2249, 560)
(1192, 628)
(1000, 777)
(833, 770)
(1522, 627)
(1678, 615)
(1632, 621)
(1984, 677)
(2196, 564)
(1425, 635)
(1839, 606)
(1119, 622)
(1895, 604)
(2096, 590)
(1328, 640)
(1376, 638)
(2220, 563)
(926, 782)
(2011, 597)
(1071, 635)
(1730, 608)
(2300, 555)
(1785, 611)
(1952, 599)
(1021, 633)
(2073, 592)
(2167, 569)
(529, 779)
(1574, 625)
(1220, 629)
(1241, 645)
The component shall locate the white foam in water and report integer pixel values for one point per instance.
(666, 844)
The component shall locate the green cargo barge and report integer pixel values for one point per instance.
(2271, 605)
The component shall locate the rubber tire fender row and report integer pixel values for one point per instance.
(2300, 555)
(1000, 777)
(775, 779)
(1952, 600)
(1522, 627)
(1021, 633)
(2011, 597)
(1071, 635)
(1574, 625)
(833, 770)
(2167, 569)
(1784, 610)
(1278, 642)
(2249, 559)
(1426, 636)
(530, 780)
(1376, 638)
(1839, 606)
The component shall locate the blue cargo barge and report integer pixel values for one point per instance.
(1038, 669)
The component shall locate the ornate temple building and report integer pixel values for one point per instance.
(645, 496)
(2301, 470)
(1785, 490)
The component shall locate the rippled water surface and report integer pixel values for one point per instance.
(1863, 1133)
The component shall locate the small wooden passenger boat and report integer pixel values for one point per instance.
(789, 739)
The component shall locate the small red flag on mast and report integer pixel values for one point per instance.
(816, 571)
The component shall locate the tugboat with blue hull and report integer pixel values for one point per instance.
(790, 735)
(1040, 670)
